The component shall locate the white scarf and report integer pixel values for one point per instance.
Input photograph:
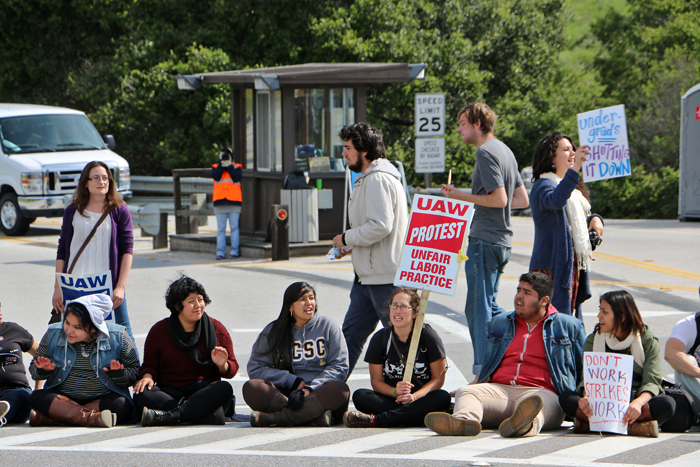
(577, 211)
(633, 342)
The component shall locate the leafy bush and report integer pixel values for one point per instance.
(643, 195)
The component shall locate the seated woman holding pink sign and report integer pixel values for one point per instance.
(391, 401)
(563, 222)
(620, 330)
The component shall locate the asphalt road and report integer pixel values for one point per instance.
(657, 261)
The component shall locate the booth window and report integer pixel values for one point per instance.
(320, 114)
(269, 131)
(249, 130)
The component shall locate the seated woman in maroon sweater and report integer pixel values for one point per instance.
(185, 357)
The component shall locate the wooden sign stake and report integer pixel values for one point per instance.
(417, 329)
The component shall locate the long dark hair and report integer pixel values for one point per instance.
(81, 196)
(280, 340)
(543, 158)
(627, 317)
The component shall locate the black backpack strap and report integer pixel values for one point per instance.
(697, 336)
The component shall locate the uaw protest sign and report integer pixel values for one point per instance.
(435, 238)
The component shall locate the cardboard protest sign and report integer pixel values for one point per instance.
(604, 131)
(608, 383)
(73, 286)
(436, 232)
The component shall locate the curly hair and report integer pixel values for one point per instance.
(480, 112)
(365, 138)
(81, 195)
(280, 340)
(413, 298)
(543, 158)
(179, 290)
(627, 317)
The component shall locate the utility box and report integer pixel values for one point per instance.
(689, 183)
(303, 214)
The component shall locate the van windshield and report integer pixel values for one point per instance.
(48, 133)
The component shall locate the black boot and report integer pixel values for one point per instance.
(151, 417)
(217, 417)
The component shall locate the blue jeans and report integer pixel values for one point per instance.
(483, 269)
(121, 316)
(368, 305)
(19, 404)
(221, 233)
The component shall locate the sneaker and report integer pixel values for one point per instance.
(521, 421)
(650, 429)
(218, 257)
(4, 408)
(445, 424)
(357, 419)
(233, 257)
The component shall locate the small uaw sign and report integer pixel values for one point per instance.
(430, 155)
(434, 244)
(608, 384)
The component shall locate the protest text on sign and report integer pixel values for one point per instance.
(608, 385)
(436, 232)
(604, 131)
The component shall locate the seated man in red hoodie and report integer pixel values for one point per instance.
(533, 354)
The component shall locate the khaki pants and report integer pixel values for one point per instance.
(490, 404)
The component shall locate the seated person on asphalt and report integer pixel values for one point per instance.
(683, 354)
(184, 360)
(298, 366)
(392, 401)
(533, 354)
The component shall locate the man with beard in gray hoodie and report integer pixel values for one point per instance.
(378, 215)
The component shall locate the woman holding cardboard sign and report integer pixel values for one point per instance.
(391, 401)
(98, 239)
(620, 330)
(563, 222)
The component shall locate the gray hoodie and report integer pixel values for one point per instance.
(319, 355)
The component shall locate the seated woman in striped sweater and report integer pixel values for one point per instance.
(88, 366)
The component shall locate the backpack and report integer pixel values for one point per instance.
(686, 414)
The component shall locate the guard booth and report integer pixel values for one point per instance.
(689, 183)
(288, 118)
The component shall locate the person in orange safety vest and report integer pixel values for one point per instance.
(227, 202)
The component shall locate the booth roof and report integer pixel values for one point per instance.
(310, 74)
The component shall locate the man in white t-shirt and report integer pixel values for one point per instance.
(683, 354)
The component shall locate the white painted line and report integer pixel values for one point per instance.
(449, 325)
(140, 438)
(272, 435)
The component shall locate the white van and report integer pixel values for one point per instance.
(42, 152)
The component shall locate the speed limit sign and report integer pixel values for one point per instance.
(430, 114)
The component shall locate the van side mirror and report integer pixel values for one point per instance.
(109, 141)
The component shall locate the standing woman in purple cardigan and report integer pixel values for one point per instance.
(561, 211)
(111, 249)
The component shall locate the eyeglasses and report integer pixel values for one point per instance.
(99, 178)
(394, 306)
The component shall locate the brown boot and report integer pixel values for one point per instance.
(277, 403)
(262, 419)
(66, 410)
(39, 419)
(95, 405)
(581, 424)
(445, 424)
(521, 421)
(650, 429)
(312, 408)
(357, 419)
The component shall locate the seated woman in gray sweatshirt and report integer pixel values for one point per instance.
(298, 366)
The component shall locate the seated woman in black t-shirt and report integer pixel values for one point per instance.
(391, 401)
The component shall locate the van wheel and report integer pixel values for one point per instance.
(12, 222)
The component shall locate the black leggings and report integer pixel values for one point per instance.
(388, 413)
(194, 401)
(661, 407)
(41, 400)
(334, 395)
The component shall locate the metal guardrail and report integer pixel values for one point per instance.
(188, 186)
